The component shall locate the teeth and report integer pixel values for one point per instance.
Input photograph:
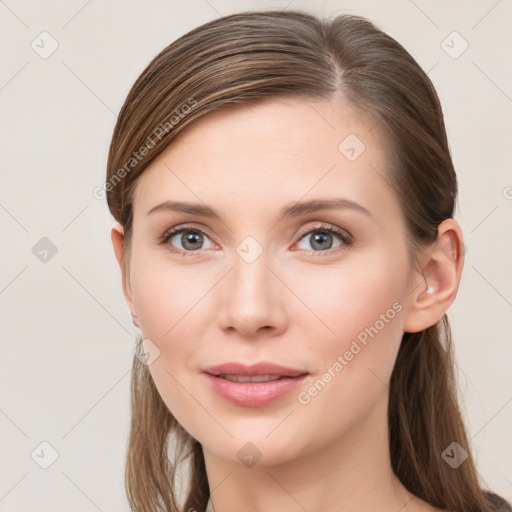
(250, 378)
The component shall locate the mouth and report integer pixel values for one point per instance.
(253, 386)
(263, 369)
(248, 378)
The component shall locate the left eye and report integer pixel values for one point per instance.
(321, 238)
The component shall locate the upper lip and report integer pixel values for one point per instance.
(263, 368)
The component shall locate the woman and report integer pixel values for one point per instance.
(284, 197)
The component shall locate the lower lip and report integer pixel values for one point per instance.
(253, 394)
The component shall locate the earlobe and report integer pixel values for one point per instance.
(439, 279)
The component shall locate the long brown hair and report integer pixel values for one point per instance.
(255, 55)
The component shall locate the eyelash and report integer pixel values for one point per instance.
(345, 238)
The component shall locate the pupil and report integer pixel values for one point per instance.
(321, 237)
(192, 237)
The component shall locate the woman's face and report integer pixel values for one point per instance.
(256, 286)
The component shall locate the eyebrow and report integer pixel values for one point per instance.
(293, 209)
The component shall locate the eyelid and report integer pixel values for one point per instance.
(172, 232)
(345, 237)
(342, 233)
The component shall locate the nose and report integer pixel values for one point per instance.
(251, 299)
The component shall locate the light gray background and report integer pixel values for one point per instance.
(66, 335)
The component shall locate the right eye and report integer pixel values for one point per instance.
(190, 238)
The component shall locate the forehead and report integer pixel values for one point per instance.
(254, 158)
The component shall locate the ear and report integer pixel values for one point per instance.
(117, 236)
(439, 278)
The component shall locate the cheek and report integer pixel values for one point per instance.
(354, 366)
(167, 296)
(344, 302)
(361, 315)
(169, 304)
(172, 304)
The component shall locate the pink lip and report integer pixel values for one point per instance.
(253, 394)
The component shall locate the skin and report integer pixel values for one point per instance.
(248, 162)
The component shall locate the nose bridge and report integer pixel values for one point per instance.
(253, 297)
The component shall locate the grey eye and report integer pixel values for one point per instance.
(190, 240)
(319, 240)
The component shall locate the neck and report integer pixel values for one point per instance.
(351, 473)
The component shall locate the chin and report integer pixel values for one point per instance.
(254, 446)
